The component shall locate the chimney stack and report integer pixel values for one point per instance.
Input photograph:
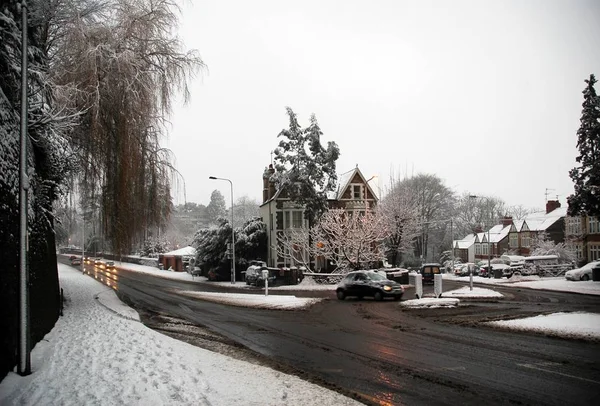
(552, 205)
(268, 184)
(507, 221)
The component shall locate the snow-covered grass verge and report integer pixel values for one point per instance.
(476, 293)
(558, 283)
(429, 303)
(250, 300)
(568, 325)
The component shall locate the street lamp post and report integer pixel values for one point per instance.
(232, 230)
(24, 350)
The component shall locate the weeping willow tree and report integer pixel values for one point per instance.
(119, 64)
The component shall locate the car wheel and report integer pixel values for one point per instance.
(585, 277)
(341, 295)
(378, 296)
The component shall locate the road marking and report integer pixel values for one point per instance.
(543, 364)
(454, 368)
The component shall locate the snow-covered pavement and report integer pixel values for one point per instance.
(99, 356)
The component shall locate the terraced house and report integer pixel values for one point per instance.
(515, 236)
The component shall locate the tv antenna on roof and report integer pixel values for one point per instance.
(548, 192)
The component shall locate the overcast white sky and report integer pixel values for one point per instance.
(486, 95)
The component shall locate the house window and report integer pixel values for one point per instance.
(578, 250)
(477, 249)
(525, 240)
(593, 225)
(594, 252)
(293, 219)
(513, 240)
(357, 192)
(484, 249)
(573, 225)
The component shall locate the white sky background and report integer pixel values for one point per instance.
(486, 95)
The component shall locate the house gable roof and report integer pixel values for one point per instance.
(344, 182)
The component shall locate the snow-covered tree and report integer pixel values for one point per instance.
(349, 241)
(154, 246)
(586, 176)
(211, 245)
(251, 241)
(305, 169)
(48, 167)
(216, 207)
(543, 245)
(293, 246)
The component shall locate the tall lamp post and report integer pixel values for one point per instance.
(24, 351)
(232, 230)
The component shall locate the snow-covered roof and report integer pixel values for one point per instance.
(465, 243)
(343, 181)
(498, 233)
(541, 221)
(185, 251)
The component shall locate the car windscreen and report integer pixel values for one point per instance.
(376, 277)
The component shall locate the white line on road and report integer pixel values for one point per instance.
(538, 365)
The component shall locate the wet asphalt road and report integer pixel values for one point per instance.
(382, 354)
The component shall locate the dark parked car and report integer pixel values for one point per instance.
(368, 284)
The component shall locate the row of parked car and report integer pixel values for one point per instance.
(543, 265)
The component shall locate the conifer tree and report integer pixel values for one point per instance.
(586, 176)
(305, 168)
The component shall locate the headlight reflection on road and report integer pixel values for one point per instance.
(106, 274)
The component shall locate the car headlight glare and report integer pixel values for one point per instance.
(387, 288)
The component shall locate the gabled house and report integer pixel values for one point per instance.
(523, 232)
(281, 214)
(474, 247)
(492, 243)
(465, 248)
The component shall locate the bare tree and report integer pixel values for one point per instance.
(244, 209)
(433, 201)
(474, 211)
(400, 213)
(350, 241)
(518, 212)
(293, 246)
(119, 65)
